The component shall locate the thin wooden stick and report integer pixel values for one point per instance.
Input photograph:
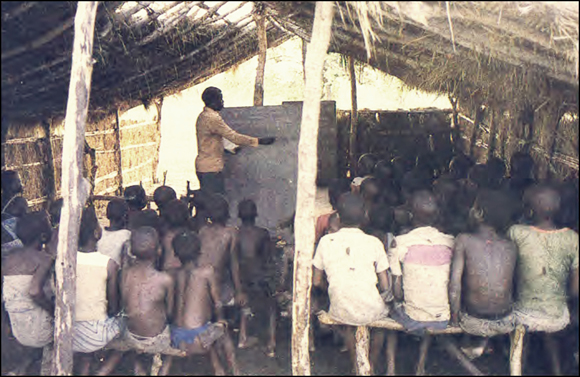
(306, 190)
(353, 119)
(263, 47)
(463, 360)
(450, 26)
(75, 188)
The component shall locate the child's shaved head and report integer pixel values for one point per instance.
(424, 207)
(136, 197)
(544, 201)
(247, 209)
(176, 213)
(351, 210)
(369, 189)
(219, 210)
(145, 243)
(33, 227)
(117, 209)
(89, 225)
(495, 208)
(163, 195)
(187, 246)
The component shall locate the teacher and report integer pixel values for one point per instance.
(210, 129)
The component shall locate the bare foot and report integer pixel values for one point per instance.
(248, 343)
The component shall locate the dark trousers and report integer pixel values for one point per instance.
(212, 182)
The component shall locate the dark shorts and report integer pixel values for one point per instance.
(212, 182)
(412, 326)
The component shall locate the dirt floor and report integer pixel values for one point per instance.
(328, 360)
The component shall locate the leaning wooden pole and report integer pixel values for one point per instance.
(306, 192)
(353, 119)
(75, 188)
(263, 47)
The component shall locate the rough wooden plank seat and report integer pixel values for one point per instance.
(362, 346)
(119, 345)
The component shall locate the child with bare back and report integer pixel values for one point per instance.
(147, 297)
(175, 216)
(218, 243)
(197, 305)
(256, 274)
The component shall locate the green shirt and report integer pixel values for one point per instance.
(545, 261)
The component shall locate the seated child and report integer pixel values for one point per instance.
(25, 272)
(175, 216)
(256, 273)
(163, 195)
(95, 323)
(115, 235)
(10, 216)
(482, 271)
(148, 299)
(420, 261)
(328, 223)
(218, 243)
(136, 198)
(354, 263)
(199, 323)
(365, 169)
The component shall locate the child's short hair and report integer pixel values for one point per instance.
(366, 164)
(33, 227)
(117, 209)
(247, 209)
(145, 243)
(351, 209)
(337, 187)
(163, 195)
(89, 223)
(497, 208)
(146, 217)
(370, 186)
(176, 213)
(135, 197)
(187, 246)
(219, 210)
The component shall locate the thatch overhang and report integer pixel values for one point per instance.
(512, 55)
(142, 51)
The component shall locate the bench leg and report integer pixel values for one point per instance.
(363, 367)
(552, 346)
(47, 357)
(516, 348)
(156, 364)
(452, 348)
(423, 348)
(392, 339)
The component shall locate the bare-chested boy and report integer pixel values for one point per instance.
(482, 271)
(148, 297)
(256, 274)
(218, 243)
(176, 216)
(162, 196)
(25, 272)
(198, 328)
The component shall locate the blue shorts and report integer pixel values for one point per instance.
(179, 334)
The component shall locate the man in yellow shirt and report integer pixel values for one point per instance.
(210, 130)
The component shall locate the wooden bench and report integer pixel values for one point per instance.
(362, 346)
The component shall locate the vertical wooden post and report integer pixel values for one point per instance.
(478, 118)
(49, 167)
(304, 46)
(260, 21)
(306, 186)
(492, 134)
(516, 350)
(75, 188)
(353, 119)
(159, 106)
(362, 337)
(455, 134)
(118, 152)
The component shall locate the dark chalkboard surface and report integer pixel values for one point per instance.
(267, 174)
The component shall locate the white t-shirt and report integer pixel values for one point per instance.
(425, 256)
(111, 243)
(351, 260)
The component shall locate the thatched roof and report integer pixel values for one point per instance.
(499, 53)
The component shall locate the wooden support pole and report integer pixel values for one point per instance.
(452, 349)
(263, 47)
(492, 134)
(304, 46)
(75, 188)
(306, 187)
(516, 350)
(353, 119)
(118, 153)
(50, 190)
(554, 142)
(455, 134)
(475, 132)
(362, 337)
(159, 107)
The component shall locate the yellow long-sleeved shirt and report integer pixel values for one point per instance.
(210, 129)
